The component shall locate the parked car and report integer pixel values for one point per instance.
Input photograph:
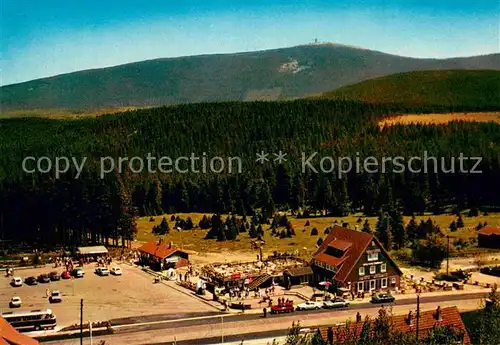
(31, 281)
(16, 282)
(78, 273)
(102, 271)
(282, 308)
(15, 302)
(335, 303)
(117, 271)
(54, 276)
(382, 298)
(309, 305)
(55, 297)
(66, 275)
(43, 278)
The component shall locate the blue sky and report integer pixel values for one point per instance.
(45, 38)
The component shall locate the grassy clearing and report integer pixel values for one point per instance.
(63, 113)
(439, 119)
(303, 241)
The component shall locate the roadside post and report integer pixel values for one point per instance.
(90, 331)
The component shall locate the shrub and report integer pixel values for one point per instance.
(172, 218)
(319, 242)
(151, 219)
(307, 223)
(403, 254)
(314, 232)
(327, 231)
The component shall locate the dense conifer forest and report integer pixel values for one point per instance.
(41, 209)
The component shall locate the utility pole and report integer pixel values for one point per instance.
(222, 329)
(418, 313)
(448, 255)
(81, 321)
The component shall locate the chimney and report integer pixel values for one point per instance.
(437, 315)
(170, 245)
(358, 317)
(409, 319)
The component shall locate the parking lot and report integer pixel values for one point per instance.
(105, 298)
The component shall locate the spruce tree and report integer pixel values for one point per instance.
(453, 226)
(383, 231)
(397, 228)
(366, 227)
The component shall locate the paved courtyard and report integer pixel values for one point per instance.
(105, 298)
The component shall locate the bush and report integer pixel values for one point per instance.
(151, 219)
(327, 231)
(172, 218)
(492, 271)
(307, 223)
(403, 254)
(314, 232)
(446, 277)
(319, 242)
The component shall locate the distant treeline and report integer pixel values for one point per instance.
(40, 208)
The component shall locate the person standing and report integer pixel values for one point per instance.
(265, 312)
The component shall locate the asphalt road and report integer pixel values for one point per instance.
(206, 326)
(124, 326)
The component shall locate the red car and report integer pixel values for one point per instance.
(282, 308)
(65, 275)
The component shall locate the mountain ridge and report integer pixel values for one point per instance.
(281, 73)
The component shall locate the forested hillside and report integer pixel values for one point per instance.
(444, 88)
(263, 75)
(40, 208)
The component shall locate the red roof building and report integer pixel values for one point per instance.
(356, 260)
(449, 316)
(160, 255)
(489, 237)
(10, 336)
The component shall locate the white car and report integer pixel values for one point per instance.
(102, 271)
(117, 271)
(55, 297)
(16, 282)
(78, 273)
(309, 305)
(15, 302)
(335, 303)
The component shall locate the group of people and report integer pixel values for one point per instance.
(282, 301)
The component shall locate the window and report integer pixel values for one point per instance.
(393, 280)
(372, 284)
(383, 268)
(372, 256)
(372, 269)
(361, 271)
(360, 286)
(384, 283)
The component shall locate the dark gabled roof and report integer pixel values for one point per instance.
(450, 316)
(354, 244)
(159, 250)
(490, 230)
